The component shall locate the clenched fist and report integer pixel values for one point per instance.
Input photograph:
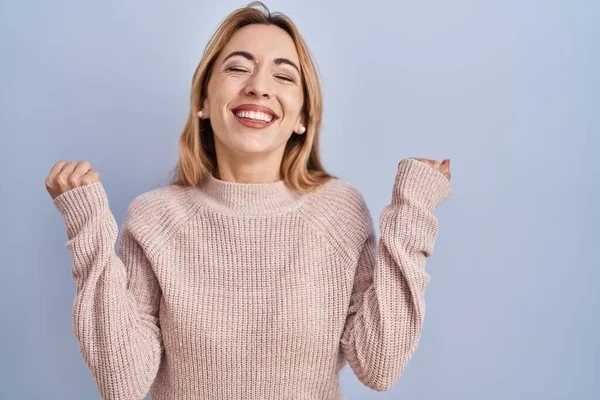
(69, 175)
(443, 167)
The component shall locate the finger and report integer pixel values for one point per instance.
(447, 168)
(68, 166)
(87, 179)
(63, 177)
(55, 171)
(91, 176)
(444, 165)
(81, 169)
(93, 173)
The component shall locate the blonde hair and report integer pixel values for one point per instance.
(301, 165)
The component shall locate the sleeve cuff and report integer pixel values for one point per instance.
(80, 204)
(417, 182)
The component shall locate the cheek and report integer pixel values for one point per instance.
(292, 104)
(221, 94)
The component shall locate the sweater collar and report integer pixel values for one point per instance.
(249, 198)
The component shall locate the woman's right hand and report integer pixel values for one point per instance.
(69, 175)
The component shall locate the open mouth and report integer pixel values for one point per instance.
(254, 119)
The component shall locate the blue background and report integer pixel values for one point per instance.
(508, 90)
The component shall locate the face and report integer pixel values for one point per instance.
(255, 94)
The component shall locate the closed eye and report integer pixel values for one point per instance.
(285, 78)
(236, 69)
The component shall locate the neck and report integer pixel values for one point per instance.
(248, 174)
(248, 168)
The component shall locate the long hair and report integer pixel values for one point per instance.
(301, 166)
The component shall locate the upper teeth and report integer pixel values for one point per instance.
(257, 115)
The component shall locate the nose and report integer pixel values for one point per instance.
(258, 86)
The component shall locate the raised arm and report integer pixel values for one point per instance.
(115, 311)
(387, 307)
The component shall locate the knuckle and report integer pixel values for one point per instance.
(72, 180)
(61, 180)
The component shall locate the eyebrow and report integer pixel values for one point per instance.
(250, 57)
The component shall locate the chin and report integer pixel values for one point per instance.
(248, 146)
(252, 142)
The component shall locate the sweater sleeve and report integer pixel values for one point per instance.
(387, 307)
(115, 310)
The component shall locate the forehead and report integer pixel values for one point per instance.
(262, 41)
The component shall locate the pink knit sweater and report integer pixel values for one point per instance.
(250, 291)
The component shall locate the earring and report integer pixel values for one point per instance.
(302, 130)
(199, 113)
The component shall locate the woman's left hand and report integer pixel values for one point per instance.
(443, 167)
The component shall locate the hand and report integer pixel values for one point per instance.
(443, 167)
(69, 175)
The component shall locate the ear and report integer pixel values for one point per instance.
(205, 110)
(301, 124)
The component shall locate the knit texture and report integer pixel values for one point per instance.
(250, 291)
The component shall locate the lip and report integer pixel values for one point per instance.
(254, 107)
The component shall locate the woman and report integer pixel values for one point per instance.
(255, 274)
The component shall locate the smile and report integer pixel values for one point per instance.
(254, 119)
